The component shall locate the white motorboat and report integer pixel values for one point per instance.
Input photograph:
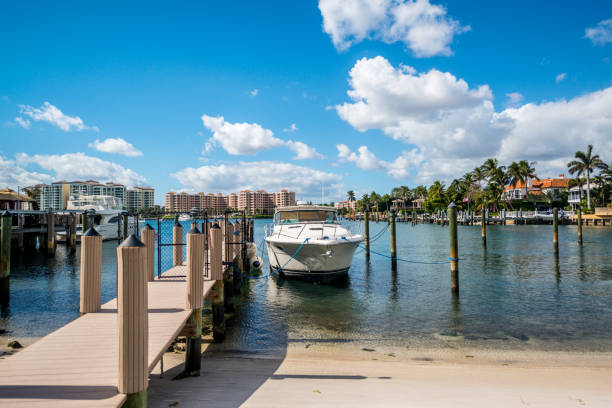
(308, 242)
(106, 215)
(184, 217)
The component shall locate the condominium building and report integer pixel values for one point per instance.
(56, 195)
(258, 201)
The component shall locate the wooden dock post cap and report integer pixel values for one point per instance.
(452, 205)
(5, 213)
(194, 230)
(91, 232)
(215, 226)
(132, 241)
(147, 227)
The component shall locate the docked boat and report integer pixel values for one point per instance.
(106, 210)
(308, 242)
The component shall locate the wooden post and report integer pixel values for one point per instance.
(177, 240)
(483, 228)
(366, 229)
(148, 239)
(195, 299)
(132, 316)
(50, 233)
(125, 219)
(91, 271)
(556, 230)
(84, 222)
(215, 245)
(579, 224)
(228, 273)
(454, 251)
(6, 226)
(393, 248)
(71, 233)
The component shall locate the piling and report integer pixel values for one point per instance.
(84, 222)
(125, 220)
(148, 239)
(177, 240)
(50, 233)
(91, 271)
(579, 225)
(215, 245)
(132, 316)
(556, 230)
(366, 229)
(454, 250)
(71, 233)
(483, 228)
(195, 299)
(6, 225)
(393, 248)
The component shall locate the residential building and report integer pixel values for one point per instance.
(10, 200)
(349, 205)
(520, 190)
(574, 196)
(56, 195)
(258, 201)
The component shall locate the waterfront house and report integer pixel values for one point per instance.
(574, 196)
(10, 200)
(520, 190)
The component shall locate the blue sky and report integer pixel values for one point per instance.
(202, 97)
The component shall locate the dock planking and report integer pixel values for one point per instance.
(77, 365)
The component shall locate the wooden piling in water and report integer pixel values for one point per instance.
(91, 271)
(556, 230)
(51, 233)
(579, 224)
(132, 316)
(483, 228)
(177, 240)
(454, 249)
(393, 247)
(84, 222)
(148, 239)
(195, 299)
(366, 231)
(215, 246)
(6, 226)
(228, 273)
(71, 233)
(125, 219)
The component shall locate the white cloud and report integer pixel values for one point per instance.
(268, 175)
(601, 34)
(514, 98)
(116, 145)
(78, 166)
(560, 77)
(13, 175)
(254, 92)
(454, 127)
(51, 114)
(421, 26)
(291, 128)
(366, 160)
(250, 138)
(24, 123)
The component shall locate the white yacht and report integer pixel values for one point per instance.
(308, 242)
(106, 217)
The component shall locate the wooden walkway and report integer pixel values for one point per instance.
(77, 365)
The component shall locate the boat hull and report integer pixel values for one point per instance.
(318, 261)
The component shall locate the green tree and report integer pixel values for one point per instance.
(350, 195)
(586, 163)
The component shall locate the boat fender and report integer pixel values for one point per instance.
(255, 262)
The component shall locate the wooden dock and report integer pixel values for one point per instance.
(77, 365)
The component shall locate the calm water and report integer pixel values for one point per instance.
(513, 294)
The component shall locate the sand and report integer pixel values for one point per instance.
(350, 375)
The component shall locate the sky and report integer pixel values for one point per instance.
(335, 94)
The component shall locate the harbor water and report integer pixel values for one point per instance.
(513, 295)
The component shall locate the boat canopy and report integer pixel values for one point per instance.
(303, 214)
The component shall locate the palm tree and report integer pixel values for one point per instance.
(351, 195)
(489, 167)
(527, 170)
(586, 163)
(515, 175)
(479, 175)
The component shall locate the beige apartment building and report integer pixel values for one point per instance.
(253, 202)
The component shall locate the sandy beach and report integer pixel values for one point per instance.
(354, 376)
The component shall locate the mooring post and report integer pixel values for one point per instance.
(148, 239)
(177, 240)
(133, 321)
(215, 246)
(366, 229)
(195, 300)
(71, 233)
(91, 271)
(483, 228)
(6, 226)
(51, 233)
(125, 218)
(454, 251)
(84, 222)
(556, 230)
(393, 248)
(228, 273)
(579, 224)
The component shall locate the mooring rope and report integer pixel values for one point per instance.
(401, 259)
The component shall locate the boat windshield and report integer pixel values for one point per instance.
(317, 216)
